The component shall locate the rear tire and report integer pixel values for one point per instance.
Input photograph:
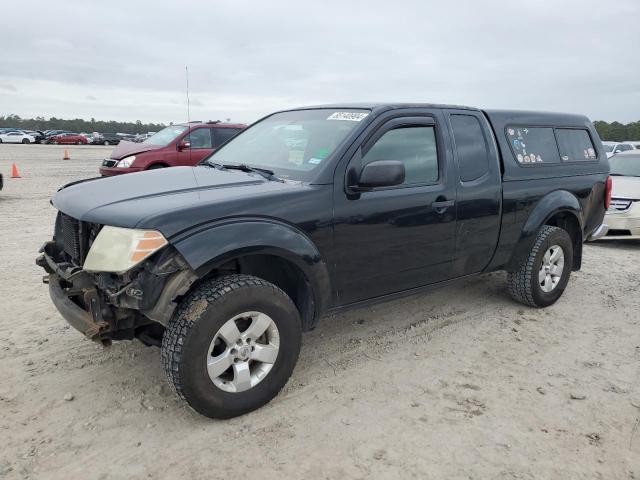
(189, 347)
(106, 143)
(538, 281)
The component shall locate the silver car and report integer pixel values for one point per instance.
(623, 217)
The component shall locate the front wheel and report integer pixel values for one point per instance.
(26, 141)
(231, 345)
(106, 143)
(544, 272)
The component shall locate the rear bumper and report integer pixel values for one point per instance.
(113, 171)
(625, 224)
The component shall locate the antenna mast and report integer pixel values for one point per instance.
(186, 69)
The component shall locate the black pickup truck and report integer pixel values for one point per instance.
(313, 210)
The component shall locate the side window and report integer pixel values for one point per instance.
(575, 145)
(223, 134)
(624, 147)
(200, 138)
(533, 144)
(471, 147)
(414, 146)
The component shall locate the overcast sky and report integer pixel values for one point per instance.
(116, 60)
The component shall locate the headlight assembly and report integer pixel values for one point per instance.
(117, 250)
(126, 162)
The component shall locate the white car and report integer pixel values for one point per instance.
(612, 148)
(16, 137)
(622, 219)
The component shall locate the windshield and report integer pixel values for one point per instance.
(291, 144)
(165, 136)
(608, 147)
(627, 165)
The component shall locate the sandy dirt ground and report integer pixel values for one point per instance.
(460, 383)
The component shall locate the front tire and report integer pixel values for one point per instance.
(106, 143)
(544, 272)
(231, 345)
(25, 141)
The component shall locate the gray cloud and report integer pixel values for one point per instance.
(248, 58)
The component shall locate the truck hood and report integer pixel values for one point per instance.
(125, 148)
(625, 187)
(162, 198)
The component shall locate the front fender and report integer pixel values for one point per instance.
(552, 204)
(217, 243)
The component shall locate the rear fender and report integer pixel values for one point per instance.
(559, 202)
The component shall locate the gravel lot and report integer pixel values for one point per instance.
(461, 383)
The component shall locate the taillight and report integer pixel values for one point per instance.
(607, 193)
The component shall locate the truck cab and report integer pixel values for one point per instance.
(314, 210)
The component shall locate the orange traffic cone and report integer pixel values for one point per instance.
(66, 155)
(14, 171)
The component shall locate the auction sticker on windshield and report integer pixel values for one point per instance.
(351, 116)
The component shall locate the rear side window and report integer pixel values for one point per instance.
(223, 134)
(413, 146)
(533, 144)
(575, 145)
(471, 147)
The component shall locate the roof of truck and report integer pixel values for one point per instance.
(383, 106)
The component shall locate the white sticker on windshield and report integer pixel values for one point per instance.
(351, 116)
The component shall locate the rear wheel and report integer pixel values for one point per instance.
(78, 142)
(544, 273)
(231, 345)
(106, 143)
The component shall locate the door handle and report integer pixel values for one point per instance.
(441, 205)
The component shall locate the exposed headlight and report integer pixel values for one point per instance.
(117, 250)
(126, 162)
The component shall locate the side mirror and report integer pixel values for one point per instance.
(383, 173)
(184, 145)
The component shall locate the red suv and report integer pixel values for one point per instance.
(177, 145)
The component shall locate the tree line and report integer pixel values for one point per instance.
(614, 131)
(618, 132)
(78, 125)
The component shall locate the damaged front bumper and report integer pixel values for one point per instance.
(106, 307)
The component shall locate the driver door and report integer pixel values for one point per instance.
(200, 145)
(397, 238)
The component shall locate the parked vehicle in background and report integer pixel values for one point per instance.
(107, 139)
(622, 220)
(36, 134)
(314, 210)
(16, 137)
(613, 148)
(68, 139)
(177, 145)
(634, 143)
(48, 134)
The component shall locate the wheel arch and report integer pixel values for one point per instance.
(561, 209)
(274, 251)
(156, 164)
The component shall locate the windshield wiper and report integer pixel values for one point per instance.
(268, 174)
